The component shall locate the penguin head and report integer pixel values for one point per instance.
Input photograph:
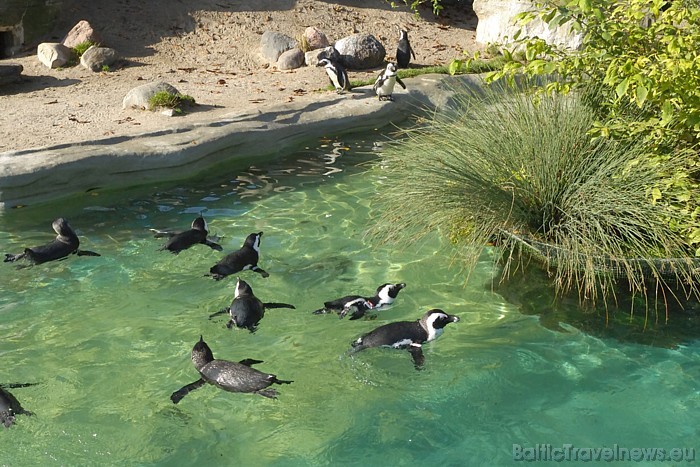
(200, 224)
(324, 62)
(201, 354)
(242, 288)
(253, 241)
(63, 229)
(403, 34)
(387, 292)
(435, 320)
(390, 69)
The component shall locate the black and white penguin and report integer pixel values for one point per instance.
(409, 335)
(10, 406)
(66, 243)
(229, 376)
(385, 296)
(404, 51)
(179, 241)
(384, 85)
(246, 309)
(337, 75)
(240, 260)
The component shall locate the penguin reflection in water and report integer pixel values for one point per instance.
(385, 296)
(384, 85)
(10, 406)
(227, 375)
(65, 243)
(246, 309)
(410, 335)
(244, 258)
(178, 241)
(336, 74)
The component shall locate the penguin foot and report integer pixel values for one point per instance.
(320, 311)
(12, 258)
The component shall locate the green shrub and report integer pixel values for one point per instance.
(80, 49)
(165, 99)
(522, 169)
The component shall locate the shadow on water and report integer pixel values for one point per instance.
(629, 319)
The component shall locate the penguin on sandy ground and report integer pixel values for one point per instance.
(384, 85)
(229, 376)
(65, 243)
(385, 296)
(240, 260)
(246, 309)
(410, 335)
(179, 241)
(404, 51)
(336, 74)
(9, 405)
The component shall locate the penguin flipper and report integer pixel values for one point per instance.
(162, 233)
(87, 253)
(279, 305)
(212, 245)
(357, 314)
(17, 385)
(321, 311)
(416, 351)
(398, 80)
(250, 362)
(260, 271)
(269, 393)
(9, 258)
(183, 391)
(220, 312)
(281, 381)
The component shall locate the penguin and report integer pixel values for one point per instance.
(337, 75)
(384, 85)
(385, 295)
(229, 376)
(410, 335)
(404, 51)
(10, 406)
(240, 260)
(246, 309)
(65, 243)
(179, 241)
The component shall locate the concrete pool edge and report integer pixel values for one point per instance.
(39, 175)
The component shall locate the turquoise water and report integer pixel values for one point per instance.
(108, 339)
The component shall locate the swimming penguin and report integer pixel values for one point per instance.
(240, 260)
(10, 406)
(66, 243)
(246, 309)
(386, 294)
(183, 240)
(337, 75)
(404, 51)
(409, 335)
(229, 376)
(384, 85)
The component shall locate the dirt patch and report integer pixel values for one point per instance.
(208, 51)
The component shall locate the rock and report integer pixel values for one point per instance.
(312, 57)
(315, 38)
(139, 96)
(96, 58)
(273, 44)
(53, 54)
(496, 24)
(291, 59)
(360, 51)
(10, 73)
(80, 33)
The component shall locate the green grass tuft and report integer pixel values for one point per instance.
(165, 99)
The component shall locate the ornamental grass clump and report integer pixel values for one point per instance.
(522, 171)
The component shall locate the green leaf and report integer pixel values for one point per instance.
(621, 88)
(640, 94)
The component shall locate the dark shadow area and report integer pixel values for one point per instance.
(35, 83)
(657, 324)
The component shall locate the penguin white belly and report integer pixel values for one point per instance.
(387, 87)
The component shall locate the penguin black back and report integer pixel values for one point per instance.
(404, 51)
(10, 406)
(184, 240)
(242, 259)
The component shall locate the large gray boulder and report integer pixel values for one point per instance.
(96, 58)
(360, 52)
(273, 44)
(80, 33)
(497, 26)
(53, 54)
(139, 96)
(291, 59)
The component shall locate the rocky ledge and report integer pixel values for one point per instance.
(52, 173)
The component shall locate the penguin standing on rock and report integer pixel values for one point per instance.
(337, 75)
(404, 51)
(386, 294)
(244, 258)
(65, 243)
(384, 85)
(410, 335)
(246, 309)
(183, 240)
(229, 376)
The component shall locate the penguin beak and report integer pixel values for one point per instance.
(454, 318)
